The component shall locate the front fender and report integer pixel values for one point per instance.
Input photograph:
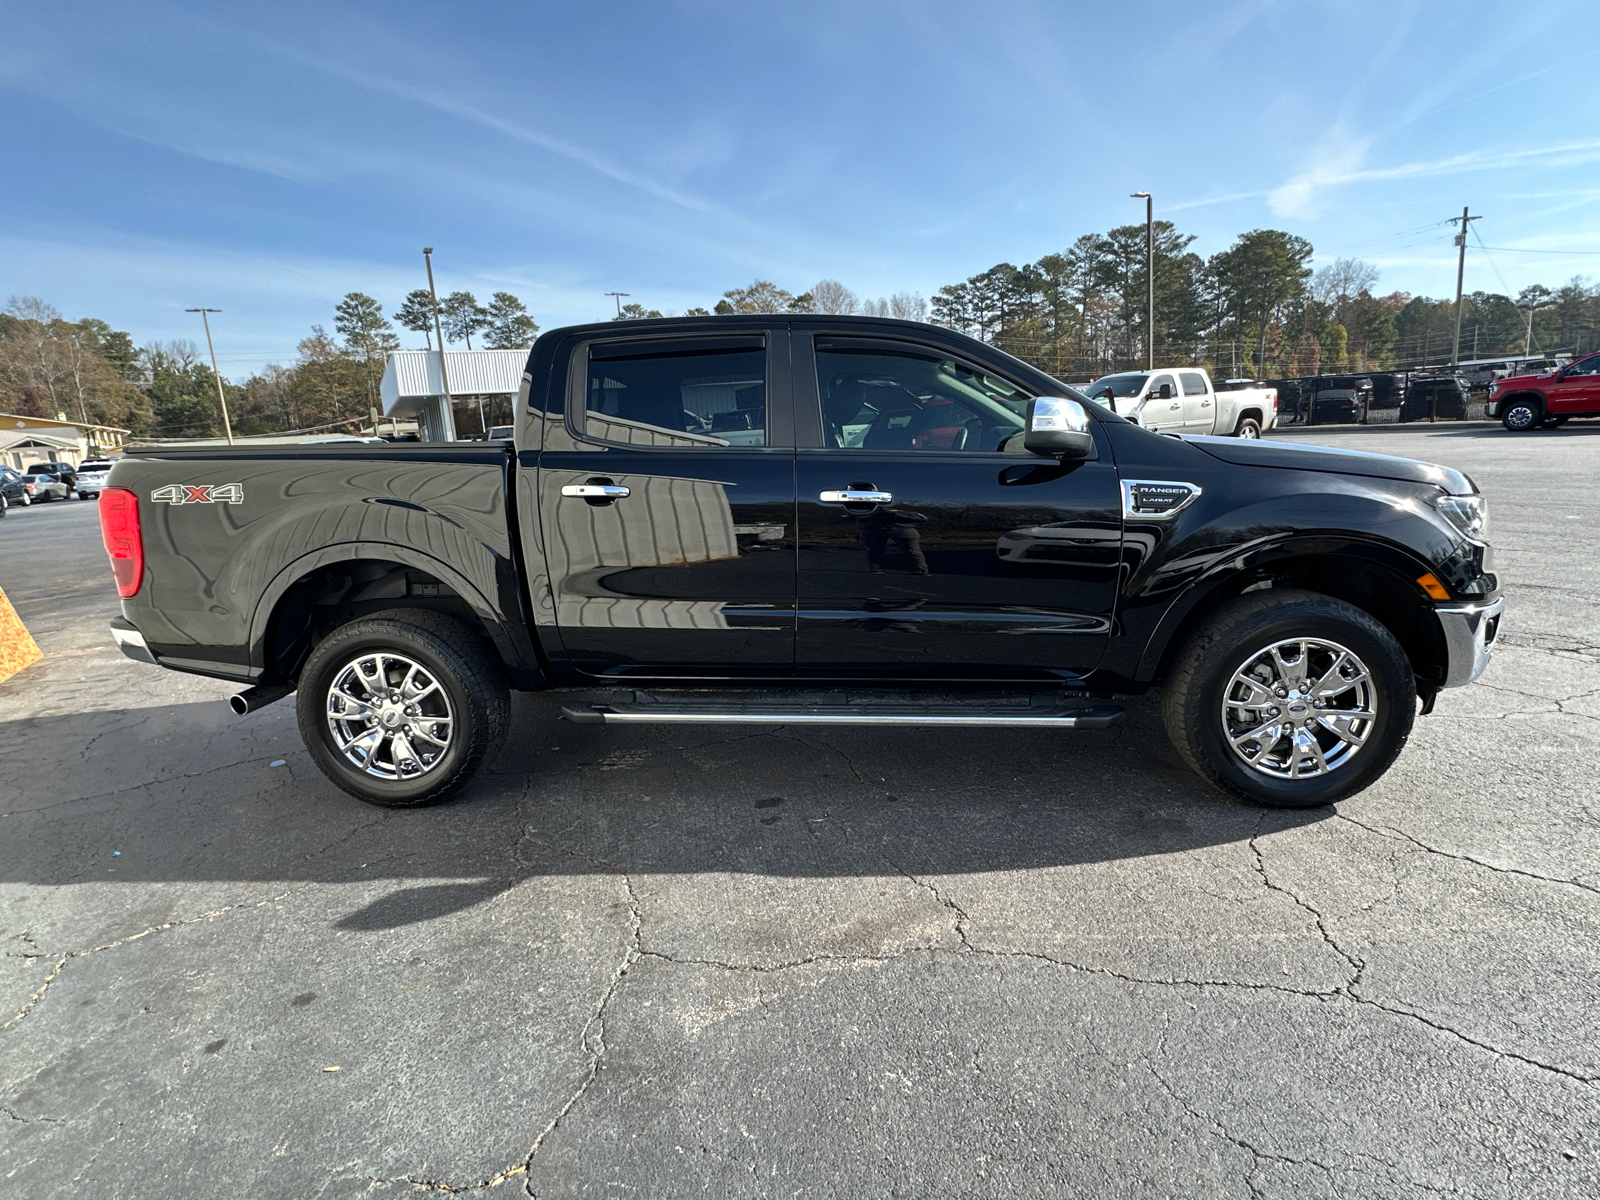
(1261, 558)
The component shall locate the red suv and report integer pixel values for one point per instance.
(1525, 402)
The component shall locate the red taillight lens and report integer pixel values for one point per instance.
(119, 529)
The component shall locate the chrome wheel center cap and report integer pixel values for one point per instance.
(391, 717)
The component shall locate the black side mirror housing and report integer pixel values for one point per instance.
(1058, 428)
(1165, 393)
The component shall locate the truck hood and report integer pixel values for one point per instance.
(1292, 456)
(1523, 380)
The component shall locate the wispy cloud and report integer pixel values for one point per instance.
(456, 107)
(1340, 164)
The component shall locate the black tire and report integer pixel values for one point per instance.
(1249, 427)
(5, 506)
(467, 672)
(1192, 697)
(1521, 414)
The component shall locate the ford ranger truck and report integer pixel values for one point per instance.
(1183, 400)
(1549, 399)
(770, 520)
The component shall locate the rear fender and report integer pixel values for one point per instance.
(510, 641)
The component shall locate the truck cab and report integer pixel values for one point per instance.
(1183, 400)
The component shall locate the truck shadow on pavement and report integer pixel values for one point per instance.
(190, 793)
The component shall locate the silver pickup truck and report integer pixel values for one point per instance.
(1183, 400)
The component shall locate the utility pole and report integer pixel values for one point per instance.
(619, 296)
(1533, 306)
(227, 425)
(444, 371)
(1461, 270)
(1150, 278)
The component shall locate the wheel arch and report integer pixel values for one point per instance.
(1376, 577)
(350, 580)
(1250, 414)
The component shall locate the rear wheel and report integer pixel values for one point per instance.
(1248, 428)
(1290, 699)
(402, 708)
(1521, 415)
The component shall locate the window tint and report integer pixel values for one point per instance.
(679, 398)
(1120, 386)
(876, 399)
(1194, 383)
(1155, 384)
(1587, 366)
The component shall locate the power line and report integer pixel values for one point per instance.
(1516, 250)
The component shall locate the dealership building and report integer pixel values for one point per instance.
(483, 390)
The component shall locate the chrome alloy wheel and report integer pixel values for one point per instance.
(1299, 708)
(390, 716)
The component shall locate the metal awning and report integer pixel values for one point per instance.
(413, 377)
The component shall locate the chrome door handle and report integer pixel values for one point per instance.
(596, 491)
(853, 496)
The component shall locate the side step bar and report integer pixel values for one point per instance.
(1050, 710)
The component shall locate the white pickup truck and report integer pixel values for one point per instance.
(1183, 400)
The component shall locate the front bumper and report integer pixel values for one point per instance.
(1470, 631)
(131, 642)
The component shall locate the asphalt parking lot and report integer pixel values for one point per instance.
(858, 963)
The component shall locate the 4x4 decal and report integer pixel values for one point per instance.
(188, 493)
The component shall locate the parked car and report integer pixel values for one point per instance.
(12, 489)
(45, 487)
(92, 477)
(1484, 373)
(1442, 397)
(64, 471)
(1182, 400)
(1337, 406)
(1548, 399)
(835, 560)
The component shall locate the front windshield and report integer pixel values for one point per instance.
(1121, 386)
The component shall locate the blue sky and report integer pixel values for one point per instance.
(265, 159)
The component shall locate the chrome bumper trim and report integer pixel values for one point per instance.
(1470, 631)
(131, 642)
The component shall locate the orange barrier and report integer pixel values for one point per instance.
(18, 650)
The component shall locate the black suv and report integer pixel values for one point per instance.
(66, 472)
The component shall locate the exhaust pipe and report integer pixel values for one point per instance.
(260, 696)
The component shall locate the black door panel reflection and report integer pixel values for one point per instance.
(976, 568)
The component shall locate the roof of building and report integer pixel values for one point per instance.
(18, 421)
(412, 375)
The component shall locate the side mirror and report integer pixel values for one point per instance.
(1058, 428)
(1165, 393)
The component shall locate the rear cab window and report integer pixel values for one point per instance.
(683, 393)
(1194, 383)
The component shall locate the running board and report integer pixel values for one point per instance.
(1049, 710)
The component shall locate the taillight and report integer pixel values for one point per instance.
(119, 529)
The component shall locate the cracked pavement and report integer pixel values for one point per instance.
(841, 963)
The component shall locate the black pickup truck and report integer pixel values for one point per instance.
(811, 520)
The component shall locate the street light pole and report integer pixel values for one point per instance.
(1150, 278)
(444, 371)
(619, 296)
(227, 425)
(1461, 270)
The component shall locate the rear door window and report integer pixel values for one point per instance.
(1194, 383)
(679, 394)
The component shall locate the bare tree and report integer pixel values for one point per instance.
(833, 298)
(908, 306)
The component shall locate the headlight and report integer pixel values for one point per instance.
(1469, 514)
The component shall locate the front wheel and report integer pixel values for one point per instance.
(1290, 699)
(402, 708)
(1519, 416)
(1248, 428)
